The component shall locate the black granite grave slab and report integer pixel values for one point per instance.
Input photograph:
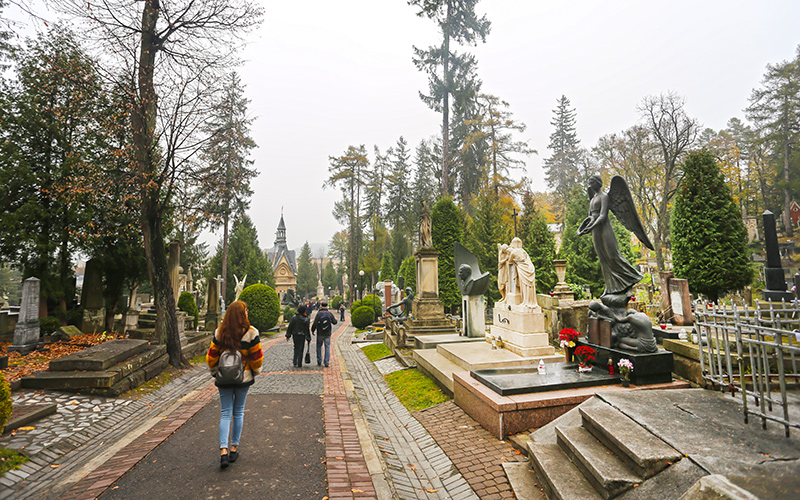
(525, 380)
(648, 368)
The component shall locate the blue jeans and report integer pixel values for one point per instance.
(327, 342)
(231, 401)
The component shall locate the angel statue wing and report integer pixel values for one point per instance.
(620, 202)
(476, 282)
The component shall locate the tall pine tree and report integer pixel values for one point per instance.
(445, 230)
(562, 169)
(709, 240)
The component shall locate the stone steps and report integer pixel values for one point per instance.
(595, 451)
(643, 452)
(558, 475)
(605, 471)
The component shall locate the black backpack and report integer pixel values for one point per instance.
(324, 323)
(230, 369)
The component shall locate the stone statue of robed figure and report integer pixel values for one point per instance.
(629, 329)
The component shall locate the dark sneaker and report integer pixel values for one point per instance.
(234, 455)
(224, 461)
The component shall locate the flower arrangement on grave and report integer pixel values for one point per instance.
(568, 337)
(585, 355)
(625, 368)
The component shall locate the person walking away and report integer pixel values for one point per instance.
(322, 326)
(298, 331)
(234, 334)
(341, 312)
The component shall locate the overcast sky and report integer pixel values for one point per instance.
(323, 75)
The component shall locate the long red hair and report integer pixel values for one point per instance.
(234, 326)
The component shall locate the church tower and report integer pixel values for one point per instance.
(284, 265)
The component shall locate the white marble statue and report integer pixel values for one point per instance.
(238, 287)
(516, 273)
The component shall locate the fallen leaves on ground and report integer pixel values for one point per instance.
(20, 365)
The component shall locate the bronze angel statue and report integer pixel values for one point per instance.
(618, 274)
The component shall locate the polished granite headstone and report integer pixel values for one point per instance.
(559, 376)
(648, 368)
(774, 277)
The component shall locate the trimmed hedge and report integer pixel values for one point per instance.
(375, 302)
(363, 317)
(263, 306)
(336, 302)
(187, 304)
(5, 401)
(355, 305)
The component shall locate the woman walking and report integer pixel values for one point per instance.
(235, 334)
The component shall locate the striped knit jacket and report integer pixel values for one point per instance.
(250, 347)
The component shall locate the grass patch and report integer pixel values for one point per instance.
(10, 459)
(415, 390)
(376, 351)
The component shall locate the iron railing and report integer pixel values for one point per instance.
(753, 352)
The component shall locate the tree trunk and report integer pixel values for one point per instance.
(787, 195)
(224, 283)
(143, 122)
(446, 111)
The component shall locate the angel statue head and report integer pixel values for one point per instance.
(595, 182)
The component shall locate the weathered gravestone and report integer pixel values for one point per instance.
(773, 271)
(26, 333)
(173, 265)
(92, 298)
(681, 301)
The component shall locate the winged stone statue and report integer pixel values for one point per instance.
(618, 274)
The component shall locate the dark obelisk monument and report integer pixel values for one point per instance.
(773, 272)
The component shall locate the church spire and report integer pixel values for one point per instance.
(280, 234)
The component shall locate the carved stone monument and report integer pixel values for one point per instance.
(519, 321)
(629, 329)
(212, 300)
(238, 288)
(773, 270)
(473, 285)
(92, 298)
(26, 333)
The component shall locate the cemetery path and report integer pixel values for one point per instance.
(309, 432)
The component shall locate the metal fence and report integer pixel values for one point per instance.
(753, 352)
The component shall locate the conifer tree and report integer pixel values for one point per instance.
(306, 276)
(539, 242)
(486, 230)
(709, 240)
(445, 230)
(562, 168)
(583, 267)
(408, 271)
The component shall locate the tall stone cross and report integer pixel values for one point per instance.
(514, 214)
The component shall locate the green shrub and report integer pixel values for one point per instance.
(263, 306)
(187, 304)
(5, 401)
(288, 312)
(336, 302)
(363, 317)
(355, 305)
(375, 302)
(48, 325)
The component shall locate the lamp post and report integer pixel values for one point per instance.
(361, 280)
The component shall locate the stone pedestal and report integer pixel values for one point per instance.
(474, 311)
(26, 331)
(522, 329)
(648, 368)
(131, 320)
(427, 311)
(562, 291)
(427, 273)
(212, 300)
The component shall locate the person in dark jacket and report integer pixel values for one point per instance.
(298, 330)
(235, 332)
(322, 326)
(341, 312)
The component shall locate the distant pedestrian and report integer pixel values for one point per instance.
(234, 334)
(322, 326)
(341, 312)
(298, 331)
